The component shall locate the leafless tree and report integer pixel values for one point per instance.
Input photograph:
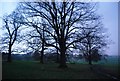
(94, 42)
(11, 26)
(36, 36)
(63, 21)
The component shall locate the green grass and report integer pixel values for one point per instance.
(35, 70)
(111, 66)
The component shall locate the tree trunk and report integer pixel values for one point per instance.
(90, 60)
(62, 56)
(42, 54)
(9, 55)
(41, 58)
(62, 60)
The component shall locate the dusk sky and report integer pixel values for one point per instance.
(108, 11)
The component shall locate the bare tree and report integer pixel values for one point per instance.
(36, 36)
(63, 21)
(11, 25)
(94, 42)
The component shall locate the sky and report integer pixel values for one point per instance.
(108, 11)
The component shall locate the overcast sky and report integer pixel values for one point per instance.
(108, 10)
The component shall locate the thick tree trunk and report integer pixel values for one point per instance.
(62, 60)
(9, 59)
(62, 56)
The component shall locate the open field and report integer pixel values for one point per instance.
(112, 65)
(34, 70)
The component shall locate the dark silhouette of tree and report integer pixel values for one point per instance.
(11, 25)
(92, 45)
(95, 55)
(36, 36)
(65, 19)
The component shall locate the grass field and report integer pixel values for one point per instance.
(35, 70)
(112, 65)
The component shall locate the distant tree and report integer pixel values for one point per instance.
(11, 26)
(95, 55)
(94, 42)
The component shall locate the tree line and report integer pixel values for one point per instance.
(65, 27)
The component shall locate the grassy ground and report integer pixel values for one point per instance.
(35, 70)
(111, 65)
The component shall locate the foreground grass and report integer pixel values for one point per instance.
(35, 70)
(111, 68)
